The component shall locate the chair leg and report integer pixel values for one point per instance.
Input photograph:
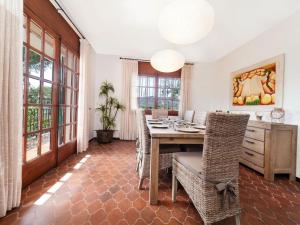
(174, 187)
(140, 183)
(238, 219)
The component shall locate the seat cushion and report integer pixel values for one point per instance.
(191, 160)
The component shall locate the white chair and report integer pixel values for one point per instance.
(159, 113)
(200, 117)
(189, 116)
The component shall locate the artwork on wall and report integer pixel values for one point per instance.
(259, 85)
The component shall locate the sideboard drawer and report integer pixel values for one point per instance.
(253, 157)
(255, 133)
(255, 145)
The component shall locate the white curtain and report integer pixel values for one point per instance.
(184, 104)
(128, 121)
(83, 110)
(11, 19)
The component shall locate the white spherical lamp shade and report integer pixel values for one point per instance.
(186, 21)
(167, 61)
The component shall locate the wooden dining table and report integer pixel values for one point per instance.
(160, 136)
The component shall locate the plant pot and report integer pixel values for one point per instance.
(105, 136)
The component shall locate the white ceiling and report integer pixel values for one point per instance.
(129, 28)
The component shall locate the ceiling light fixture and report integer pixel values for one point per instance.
(167, 61)
(186, 21)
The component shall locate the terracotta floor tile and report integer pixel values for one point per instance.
(94, 206)
(104, 191)
(105, 196)
(148, 214)
(98, 217)
(163, 214)
(139, 204)
(115, 216)
(125, 204)
(131, 215)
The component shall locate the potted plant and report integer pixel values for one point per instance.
(108, 112)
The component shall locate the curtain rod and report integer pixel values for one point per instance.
(147, 60)
(60, 9)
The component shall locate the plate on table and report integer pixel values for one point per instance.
(162, 126)
(153, 120)
(157, 122)
(200, 127)
(187, 130)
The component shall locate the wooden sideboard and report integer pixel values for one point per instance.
(270, 148)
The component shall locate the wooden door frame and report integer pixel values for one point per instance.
(40, 165)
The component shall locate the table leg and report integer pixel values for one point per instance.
(154, 171)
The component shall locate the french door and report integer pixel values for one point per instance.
(50, 96)
(40, 70)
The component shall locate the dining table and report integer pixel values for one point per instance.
(162, 136)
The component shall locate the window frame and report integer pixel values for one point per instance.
(146, 70)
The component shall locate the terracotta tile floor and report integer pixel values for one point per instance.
(103, 190)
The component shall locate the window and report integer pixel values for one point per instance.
(158, 90)
(38, 70)
(68, 96)
(146, 92)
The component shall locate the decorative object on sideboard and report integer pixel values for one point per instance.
(277, 115)
(259, 115)
(259, 85)
(108, 112)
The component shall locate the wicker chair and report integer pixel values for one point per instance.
(211, 178)
(165, 157)
(138, 145)
(189, 116)
(159, 113)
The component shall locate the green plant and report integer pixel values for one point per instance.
(110, 107)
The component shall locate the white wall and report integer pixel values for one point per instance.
(284, 38)
(102, 67)
(207, 88)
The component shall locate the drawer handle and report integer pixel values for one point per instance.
(250, 130)
(248, 153)
(250, 142)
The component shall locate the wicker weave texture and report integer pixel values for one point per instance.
(220, 163)
(165, 160)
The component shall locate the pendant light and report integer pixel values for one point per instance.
(167, 61)
(186, 21)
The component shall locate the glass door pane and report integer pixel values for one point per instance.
(48, 69)
(46, 140)
(35, 36)
(32, 146)
(49, 45)
(34, 63)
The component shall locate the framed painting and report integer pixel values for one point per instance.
(259, 86)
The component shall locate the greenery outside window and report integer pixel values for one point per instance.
(156, 90)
